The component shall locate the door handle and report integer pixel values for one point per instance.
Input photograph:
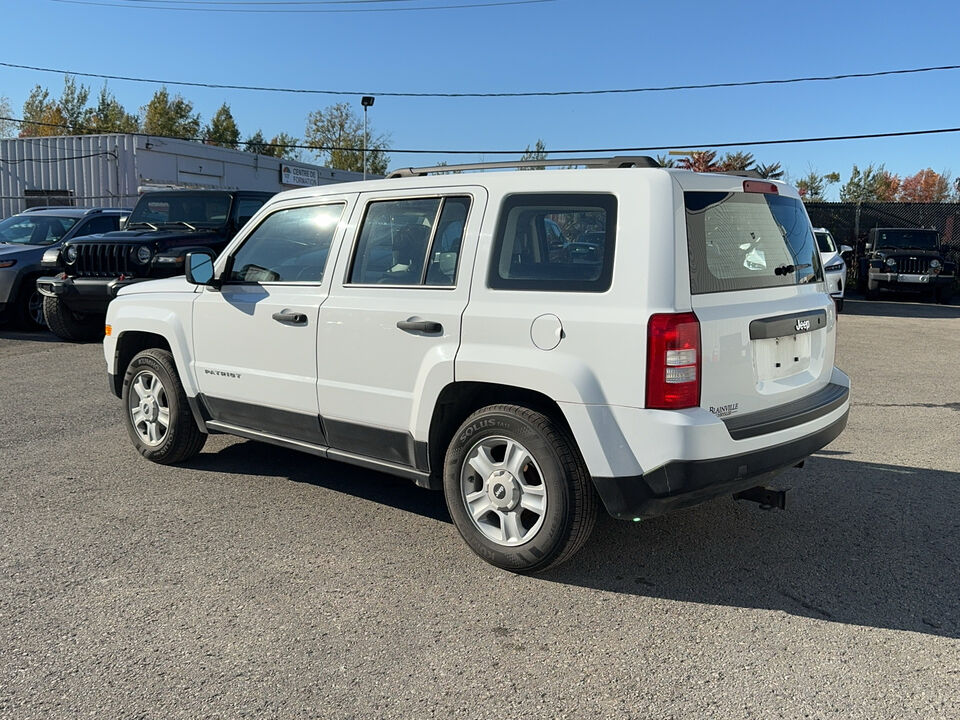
(424, 326)
(291, 318)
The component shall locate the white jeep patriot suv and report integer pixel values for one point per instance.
(536, 344)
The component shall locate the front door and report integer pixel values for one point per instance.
(255, 338)
(390, 329)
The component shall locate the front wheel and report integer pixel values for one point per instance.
(156, 411)
(69, 325)
(29, 310)
(517, 489)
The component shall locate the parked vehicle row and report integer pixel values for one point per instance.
(534, 344)
(907, 260)
(25, 238)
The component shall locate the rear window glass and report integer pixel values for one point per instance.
(745, 241)
(555, 242)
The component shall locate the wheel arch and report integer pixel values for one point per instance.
(129, 344)
(458, 400)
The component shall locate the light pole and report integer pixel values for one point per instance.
(366, 101)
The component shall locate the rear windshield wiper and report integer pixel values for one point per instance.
(787, 269)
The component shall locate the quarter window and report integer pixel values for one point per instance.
(410, 242)
(288, 246)
(555, 242)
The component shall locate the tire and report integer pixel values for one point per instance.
(944, 294)
(872, 293)
(69, 325)
(28, 313)
(539, 515)
(150, 386)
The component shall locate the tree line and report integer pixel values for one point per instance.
(334, 134)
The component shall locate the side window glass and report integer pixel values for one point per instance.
(445, 253)
(393, 242)
(555, 242)
(98, 225)
(288, 246)
(246, 208)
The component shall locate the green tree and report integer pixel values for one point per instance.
(771, 171)
(813, 186)
(336, 135)
(666, 161)
(222, 130)
(539, 152)
(737, 162)
(7, 128)
(170, 117)
(109, 116)
(256, 144)
(41, 115)
(73, 106)
(280, 147)
(872, 183)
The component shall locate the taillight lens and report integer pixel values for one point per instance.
(673, 361)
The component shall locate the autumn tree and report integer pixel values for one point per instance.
(925, 186)
(170, 117)
(700, 161)
(336, 135)
(222, 130)
(41, 115)
(109, 116)
(737, 162)
(873, 183)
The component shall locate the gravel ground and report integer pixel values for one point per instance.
(259, 582)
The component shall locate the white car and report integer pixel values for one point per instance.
(834, 266)
(537, 345)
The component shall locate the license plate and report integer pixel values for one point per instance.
(782, 357)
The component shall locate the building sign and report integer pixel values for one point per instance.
(299, 176)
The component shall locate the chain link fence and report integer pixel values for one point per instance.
(849, 224)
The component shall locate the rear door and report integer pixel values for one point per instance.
(767, 327)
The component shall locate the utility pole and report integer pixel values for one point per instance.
(366, 101)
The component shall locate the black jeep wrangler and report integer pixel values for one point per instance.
(162, 228)
(907, 260)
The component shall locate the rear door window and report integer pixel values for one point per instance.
(555, 242)
(746, 241)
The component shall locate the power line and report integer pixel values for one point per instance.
(534, 93)
(567, 151)
(267, 2)
(50, 161)
(497, 3)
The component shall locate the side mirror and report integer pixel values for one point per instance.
(199, 268)
(845, 249)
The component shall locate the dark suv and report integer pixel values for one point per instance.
(162, 228)
(909, 260)
(24, 239)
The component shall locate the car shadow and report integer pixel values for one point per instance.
(860, 543)
(43, 336)
(248, 457)
(896, 306)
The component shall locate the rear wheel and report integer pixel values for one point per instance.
(156, 412)
(517, 489)
(69, 325)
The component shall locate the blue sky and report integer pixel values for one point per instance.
(561, 45)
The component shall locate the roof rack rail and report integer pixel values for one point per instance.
(35, 208)
(743, 173)
(618, 161)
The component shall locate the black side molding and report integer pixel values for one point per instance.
(784, 325)
(787, 415)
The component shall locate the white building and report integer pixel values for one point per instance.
(113, 170)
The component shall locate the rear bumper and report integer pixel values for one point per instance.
(85, 294)
(693, 481)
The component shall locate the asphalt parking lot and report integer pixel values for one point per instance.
(259, 582)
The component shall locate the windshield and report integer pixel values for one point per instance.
(825, 241)
(184, 209)
(34, 229)
(744, 241)
(907, 239)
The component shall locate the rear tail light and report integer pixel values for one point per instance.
(673, 361)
